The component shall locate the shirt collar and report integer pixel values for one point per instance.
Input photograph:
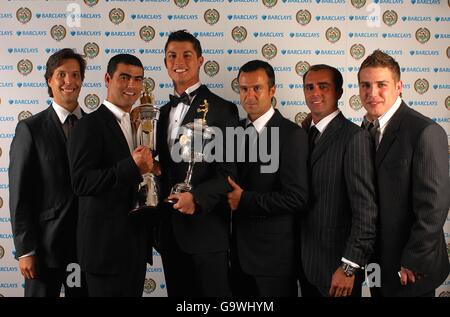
(118, 113)
(190, 89)
(384, 119)
(261, 122)
(322, 124)
(63, 113)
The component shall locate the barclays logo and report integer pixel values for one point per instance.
(72, 15)
(330, 18)
(6, 15)
(292, 103)
(442, 36)
(94, 67)
(8, 269)
(442, 19)
(406, 86)
(329, 52)
(51, 50)
(413, 103)
(41, 68)
(152, 68)
(32, 85)
(9, 285)
(441, 120)
(233, 68)
(424, 52)
(268, 34)
(6, 236)
(388, 1)
(243, 1)
(23, 102)
(6, 136)
(305, 34)
(209, 51)
(4, 170)
(393, 52)
(242, 51)
(6, 118)
(353, 69)
(295, 86)
(297, 1)
(330, 1)
(119, 34)
(6, 67)
(279, 86)
(283, 69)
(154, 270)
(161, 102)
(182, 17)
(153, 51)
(396, 35)
(363, 35)
(209, 1)
(85, 33)
(441, 70)
(215, 85)
(242, 17)
(432, 2)
(91, 85)
(166, 85)
(6, 33)
(146, 17)
(415, 69)
(25, 50)
(435, 86)
(209, 34)
(416, 19)
(6, 85)
(372, 18)
(296, 52)
(355, 120)
(277, 17)
(120, 51)
(5, 219)
(31, 33)
(355, 85)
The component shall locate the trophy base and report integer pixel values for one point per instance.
(141, 209)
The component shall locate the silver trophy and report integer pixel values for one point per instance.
(144, 120)
(197, 130)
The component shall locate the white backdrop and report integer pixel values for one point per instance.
(290, 34)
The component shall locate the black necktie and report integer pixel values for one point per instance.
(312, 137)
(69, 124)
(184, 98)
(373, 128)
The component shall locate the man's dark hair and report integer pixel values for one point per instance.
(254, 65)
(380, 59)
(337, 76)
(184, 36)
(57, 59)
(126, 59)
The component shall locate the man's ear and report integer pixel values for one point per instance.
(201, 60)
(107, 79)
(165, 62)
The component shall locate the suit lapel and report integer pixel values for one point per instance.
(113, 125)
(202, 94)
(390, 132)
(330, 134)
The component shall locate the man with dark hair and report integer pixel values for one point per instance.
(265, 204)
(113, 246)
(413, 185)
(42, 203)
(194, 232)
(338, 230)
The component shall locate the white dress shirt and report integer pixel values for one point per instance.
(322, 124)
(387, 116)
(261, 122)
(123, 118)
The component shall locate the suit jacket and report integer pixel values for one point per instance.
(413, 184)
(208, 229)
(264, 223)
(341, 218)
(42, 203)
(106, 179)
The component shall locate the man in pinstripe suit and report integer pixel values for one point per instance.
(338, 230)
(413, 184)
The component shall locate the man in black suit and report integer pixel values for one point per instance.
(412, 168)
(338, 230)
(265, 203)
(194, 232)
(113, 246)
(42, 203)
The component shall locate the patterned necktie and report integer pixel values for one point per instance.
(373, 128)
(69, 124)
(312, 137)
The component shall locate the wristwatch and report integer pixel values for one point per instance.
(348, 269)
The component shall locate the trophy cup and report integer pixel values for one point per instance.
(144, 120)
(189, 132)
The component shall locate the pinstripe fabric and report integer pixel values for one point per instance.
(414, 197)
(341, 219)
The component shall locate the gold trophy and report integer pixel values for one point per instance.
(144, 120)
(190, 131)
